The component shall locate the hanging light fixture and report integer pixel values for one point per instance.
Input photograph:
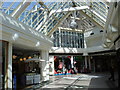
(21, 59)
(29, 57)
(24, 59)
(73, 23)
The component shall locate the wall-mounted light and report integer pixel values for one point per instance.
(15, 36)
(14, 56)
(37, 44)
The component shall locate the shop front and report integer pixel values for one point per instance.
(68, 65)
(26, 68)
(12, 61)
(117, 46)
(3, 63)
(62, 65)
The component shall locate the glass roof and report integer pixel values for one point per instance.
(45, 17)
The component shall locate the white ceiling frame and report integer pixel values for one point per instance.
(94, 12)
(92, 20)
(69, 9)
(10, 6)
(1, 3)
(42, 4)
(22, 6)
(72, 30)
(56, 26)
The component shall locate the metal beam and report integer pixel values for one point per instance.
(76, 18)
(57, 25)
(42, 4)
(1, 3)
(71, 30)
(22, 6)
(69, 9)
(92, 20)
(10, 6)
(94, 12)
(28, 14)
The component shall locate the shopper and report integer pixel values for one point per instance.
(112, 73)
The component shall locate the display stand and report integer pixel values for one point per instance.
(33, 71)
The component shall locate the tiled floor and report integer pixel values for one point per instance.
(77, 81)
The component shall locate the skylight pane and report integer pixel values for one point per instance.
(6, 4)
(15, 5)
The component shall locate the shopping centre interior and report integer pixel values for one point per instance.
(42, 39)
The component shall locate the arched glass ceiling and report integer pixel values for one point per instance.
(45, 17)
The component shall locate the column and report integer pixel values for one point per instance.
(51, 65)
(9, 69)
(94, 65)
(89, 61)
(59, 33)
(72, 62)
(85, 61)
(45, 65)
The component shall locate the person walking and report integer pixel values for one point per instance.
(112, 73)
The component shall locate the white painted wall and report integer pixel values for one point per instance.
(95, 39)
(111, 26)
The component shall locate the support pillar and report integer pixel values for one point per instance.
(72, 62)
(60, 37)
(51, 65)
(85, 61)
(45, 65)
(94, 65)
(8, 84)
(89, 61)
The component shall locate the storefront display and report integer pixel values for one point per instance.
(32, 71)
(26, 68)
(62, 65)
(3, 62)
